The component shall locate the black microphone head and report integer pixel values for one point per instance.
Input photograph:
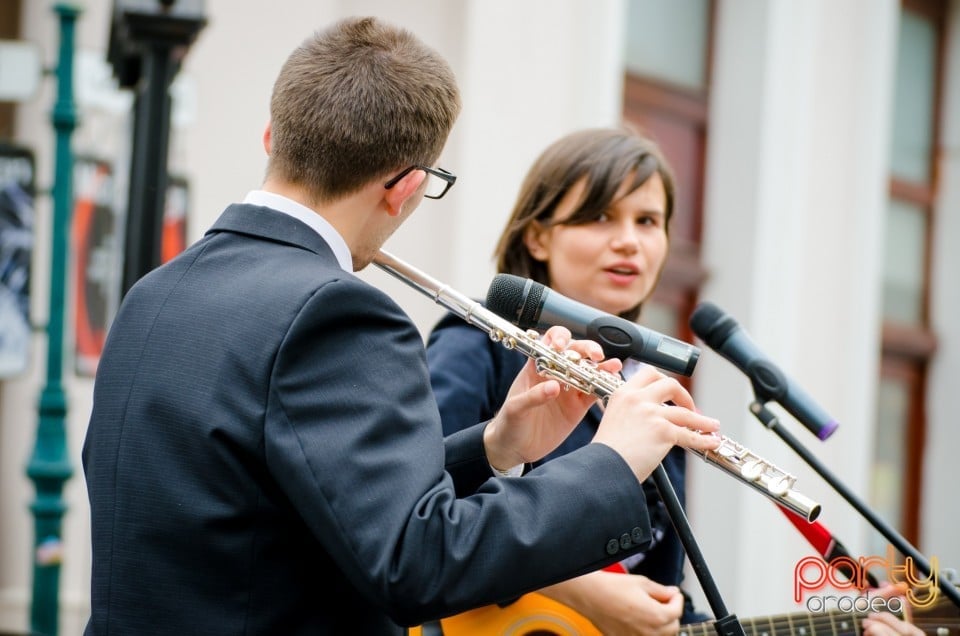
(516, 299)
(711, 324)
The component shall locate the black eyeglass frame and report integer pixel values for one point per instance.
(448, 177)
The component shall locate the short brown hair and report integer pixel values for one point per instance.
(602, 156)
(355, 102)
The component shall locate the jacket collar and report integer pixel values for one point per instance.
(266, 223)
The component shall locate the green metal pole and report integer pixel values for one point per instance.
(49, 466)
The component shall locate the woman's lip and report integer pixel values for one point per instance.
(621, 277)
(623, 268)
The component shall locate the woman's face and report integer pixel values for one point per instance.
(614, 262)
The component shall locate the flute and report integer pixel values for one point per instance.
(569, 369)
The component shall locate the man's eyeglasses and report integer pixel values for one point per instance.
(438, 180)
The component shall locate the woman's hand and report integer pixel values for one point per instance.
(622, 604)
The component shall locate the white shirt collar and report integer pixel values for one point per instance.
(301, 212)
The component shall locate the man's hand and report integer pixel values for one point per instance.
(539, 412)
(648, 416)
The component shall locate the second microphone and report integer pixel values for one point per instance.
(531, 305)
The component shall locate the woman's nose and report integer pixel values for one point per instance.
(625, 237)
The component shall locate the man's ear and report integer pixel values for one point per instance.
(403, 190)
(266, 138)
(537, 242)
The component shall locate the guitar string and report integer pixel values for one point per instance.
(799, 623)
(925, 619)
(836, 623)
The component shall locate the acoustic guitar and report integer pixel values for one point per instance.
(536, 615)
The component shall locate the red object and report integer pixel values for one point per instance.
(826, 545)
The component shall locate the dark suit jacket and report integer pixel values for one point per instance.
(471, 375)
(265, 456)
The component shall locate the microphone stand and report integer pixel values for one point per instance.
(726, 624)
(770, 421)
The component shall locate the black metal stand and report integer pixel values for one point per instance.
(726, 624)
(148, 41)
(770, 421)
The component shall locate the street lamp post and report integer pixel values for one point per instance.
(148, 41)
(49, 466)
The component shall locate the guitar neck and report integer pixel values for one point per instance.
(788, 624)
(833, 623)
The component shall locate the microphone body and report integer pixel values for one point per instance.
(725, 336)
(531, 305)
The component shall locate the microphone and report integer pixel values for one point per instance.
(530, 305)
(725, 336)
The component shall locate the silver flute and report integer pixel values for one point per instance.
(570, 369)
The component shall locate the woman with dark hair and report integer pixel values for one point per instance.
(592, 223)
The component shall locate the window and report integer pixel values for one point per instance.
(908, 343)
(666, 96)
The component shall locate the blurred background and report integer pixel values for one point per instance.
(817, 150)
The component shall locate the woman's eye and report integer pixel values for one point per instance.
(649, 220)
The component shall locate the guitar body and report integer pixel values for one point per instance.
(531, 615)
(536, 615)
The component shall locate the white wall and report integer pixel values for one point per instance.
(794, 199)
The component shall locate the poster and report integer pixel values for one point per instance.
(174, 238)
(96, 251)
(98, 247)
(16, 249)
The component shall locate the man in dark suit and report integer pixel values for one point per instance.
(265, 454)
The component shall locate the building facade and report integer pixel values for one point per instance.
(800, 235)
